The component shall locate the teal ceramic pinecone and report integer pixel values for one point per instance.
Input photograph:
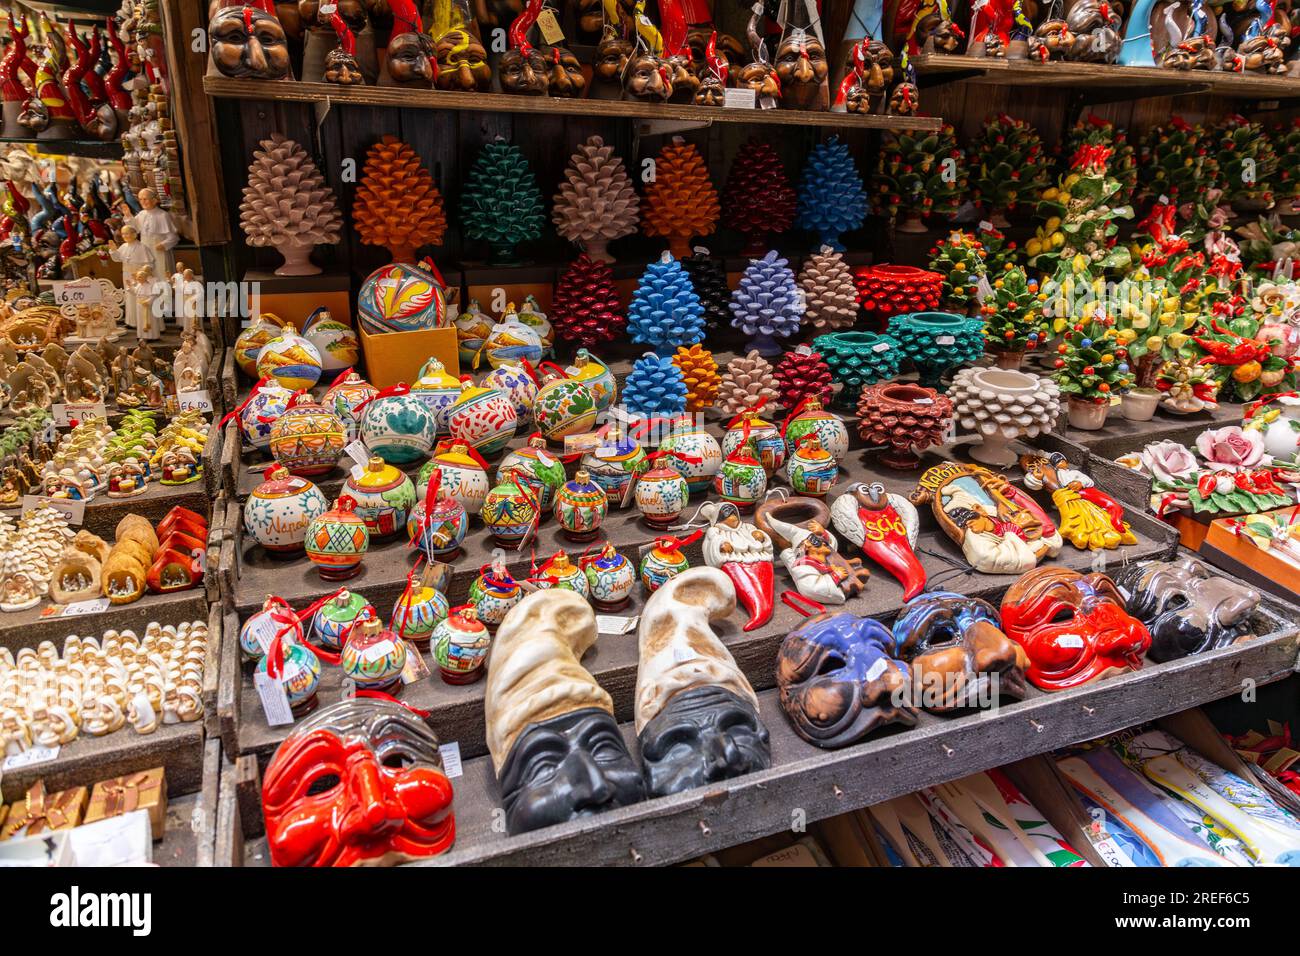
(857, 359)
(936, 341)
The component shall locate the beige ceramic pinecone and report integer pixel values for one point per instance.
(830, 297)
(747, 382)
(596, 202)
(286, 198)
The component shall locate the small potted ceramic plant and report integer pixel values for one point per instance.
(1089, 370)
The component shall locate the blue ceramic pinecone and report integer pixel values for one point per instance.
(768, 303)
(832, 198)
(665, 311)
(655, 387)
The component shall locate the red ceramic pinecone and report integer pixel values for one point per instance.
(586, 309)
(800, 375)
(904, 417)
(888, 290)
(757, 199)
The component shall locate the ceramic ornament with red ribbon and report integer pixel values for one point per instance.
(383, 495)
(493, 593)
(257, 633)
(329, 626)
(438, 523)
(559, 571)
(665, 560)
(768, 445)
(460, 646)
(267, 401)
(307, 438)
(701, 455)
(614, 463)
(482, 418)
(810, 417)
(519, 384)
(397, 426)
(373, 656)
(610, 578)
(349, 392)
(661, 491)
(541, 471)
(580, 507)
(563, 406)
(337, 541)
(419, 609)
(596, 375)
(464, 475)
(744, 553)
(294, 665)
(511, 511)
(278, 511)
(438, 389)
(812, 470)
(742, 479)
(885, 527)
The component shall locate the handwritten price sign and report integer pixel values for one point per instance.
(194, 401)
(78, 292)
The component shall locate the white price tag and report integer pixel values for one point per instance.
(327, 8)
(65, 413)
(925, 401)
(378, 651)
(1072, 641)
(357, 451)
(194, 401)
(450, 754)
(78, 292)
(881, 347)
(739, 98)
(614, 624)
(74, 511)
(264, 630)
(30, 757)
(1163, 200)
(950, 435)
(804, 349)
(683, 653)
(986, 226)
(275, 700)
(945, 340)
(93, 606)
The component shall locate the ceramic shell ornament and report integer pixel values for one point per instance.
(382, 497)
(397, 426)
(482, 418)
(307, 438)
(661, 492)
(884, 526)
(402, 297)
(290, 359)
(1001, 405)
(580, 507)
(744, 553)
(460, 644)
(336, 541)
(563, 406)
(610, 580)
(373, 656)
(278, 511)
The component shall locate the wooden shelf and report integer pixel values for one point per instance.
(327, 93)
(90, 148)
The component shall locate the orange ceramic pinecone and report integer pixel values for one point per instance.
(700, 372)
(681, 202)
(398, 205)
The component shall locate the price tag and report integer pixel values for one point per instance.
(700, 250)
(1163, 200)
(1071, 641)
(415, 669)
(582, 444)
(881, 347)
(78, 292)
(436, 575)
(275, 700)
(986, 226)
(30, 757)
(550, 27)
(94, 606)
(263, 630)
(328, 8)
(804, 349)
(357, 451)
(876, 669)
(945, 340)
(194, 401)
(615, 624)
(65, 413)
(950, 435)
(925, 401)
(739, 98)
(450, 754)
(74, 511)
(376, 652)
(683, 653)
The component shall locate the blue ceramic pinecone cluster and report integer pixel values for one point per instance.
(665, 311)
(655, 387)
(832, 198)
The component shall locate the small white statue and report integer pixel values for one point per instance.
(157, 231)
(148, 323)
(133, 256)
(187, 294)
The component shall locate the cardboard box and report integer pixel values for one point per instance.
(495, 289)
(146, 791)
(294, 298)
(393, 357)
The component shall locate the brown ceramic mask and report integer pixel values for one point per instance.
(648, 78)
(462, 62)
(524, 72)
(353, 13)
(942, 34)
(802, 69)
(877, 72)
(1186, 608)
(248, 42)
(958, 653)
(612, 56)
(411, 60)
(760, 78)
(591, 17)
(341, 67)
(566, 78)
(728, 49)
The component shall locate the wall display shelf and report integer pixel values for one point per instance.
(90, 149)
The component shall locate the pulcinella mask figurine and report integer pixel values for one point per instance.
(359, 783)
(411, 60)
(341, 64)
(957, 652)
(713, 79)
(566, 79)
(647, 78)
(247, 40)
(522, 68)
(838, 682)
(462, 62)
(613, 54)
(1090, 518)
(696, 713)
(758, 74)
(1073, 627)
(555, 745)
(1186, 609)
(802, 70)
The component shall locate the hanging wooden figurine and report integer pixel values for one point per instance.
(682, 77)
(461, 56)
(646, 77)
(341, 64)
(411, 62)
(1174, 34)
(1259, 35)
(337, 40)
(248, 42)
(713, 80)
(47, 113)
(866, 87)
(802, 69)
(929, 27)
(566, 79)
(613, 54)
(1089, 32)
(991, 23)
(522, 69)
(758, 74)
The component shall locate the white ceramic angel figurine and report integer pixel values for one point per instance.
(133, 255)
(157, 231)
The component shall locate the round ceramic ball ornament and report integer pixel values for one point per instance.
(383, 497)
(613, 464)
(493, 593)
(460, 646)
(537, 467)
(563, 406)
(811, 469)
(417, 612)
(249, 342)
(438, 526)
(307, 438)
(438, 389)
(610, 578)
(337, 541)
(482, 418)
(512, 342)
(698, 454)
(397, 427)
(767, 444)
(661, 493)
(330, 626)
(813, 419)
(580, 507)
(518, 385)
(510, 511)
(373, 656)
(257, 633)
(299, 671)
(335, 341)
(259, 414)
(278, 511)
(402, 297)
(290, 359)
(464, 479)
(597, 376)
(345, 396)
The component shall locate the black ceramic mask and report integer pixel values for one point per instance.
(702, 735)
(570, 766)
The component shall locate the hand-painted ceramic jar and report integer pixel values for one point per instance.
(335, 342)
(597, 376)
(510, 511)
(768, 445)
(689, 440)
(563, 406)
(613, 465)
(811, 470)
(249, 342)
(814, 419)
(610, 579)
(401, 297)
(257, 417)
(661, 493)
(482, 418)
(337, 541)
(384, 497)
(329, 627)
(417, 612)
(307, 438)
(278, 511)
(464, 479)
(661, 564)
(263, 625)
(460, 646)
(438, 389)
(516, 384)
(539, 469)
(343, 398)
(742, 480)
(441, 536)
(290, 359)
(580, 507)
(373, 656)
(510, 343)
(300, 675)
(397, 427)
(560, 572)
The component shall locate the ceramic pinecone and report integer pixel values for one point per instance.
(984, 409)
(854, 362)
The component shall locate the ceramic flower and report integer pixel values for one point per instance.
(1168, 461)
(1232, 447)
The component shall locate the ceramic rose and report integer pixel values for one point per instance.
(1168, 460)
(1233, 447)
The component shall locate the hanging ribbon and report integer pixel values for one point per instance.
(401, 388)
(793, 600)
(563, 373)
(404, 602)
(245, 403)
(381, 695)
(668, 453)
(747, 414)
(527, 366)
(339, 378)
(668, 542)
(430, 499)
(447, 444)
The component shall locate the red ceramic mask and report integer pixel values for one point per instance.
(1073, 627)
(358, 784)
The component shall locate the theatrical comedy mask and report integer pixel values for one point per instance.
(802, 69)
(1186, 609)
(360, 783)
(248, 40)
(838, 682)
(566, 79)
(462, 62)
(696, 713)
(556, 748)
(957, 652)
(1073, 627)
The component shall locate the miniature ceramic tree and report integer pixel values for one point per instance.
(1088, 368)
(665, 311)
(681, 202)
(709, 279)
(1285, 138)
(655, 387)
(749, 382)
(1247, 164)
(1012, 166)
(959, 258)
(596, 203)
(1013, 316)
(832, 200)
(802, 373)
(767, 304)
(1178, 162)
(913, 180)
(830, 296)
(700, 373)
(288, 205)
(757, 199)
(586, 308)
(501, 204)
(397, 204)
(1081, 222)
(1092, 130)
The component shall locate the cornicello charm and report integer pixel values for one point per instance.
(701, 455)
(396, 426)
(438, 524)
(519, 384)
(511, 512)
(337, 541)
(373, 656)
(278, 511)
(460, 646)
(764, 439)
(610, 579)
(307, 438)
(464, 475)
(563, 406)
(1090, 518)
(493, 593)
(580, 507)
(382, 496)
(742, 480)
(884, 526)
(560, 572)
(482, 418)
(744, 553)
(336, 616)
(811, 418)
(614, 464)
(811, 469)
(438, 389)
(348, 393)
(538, 468)
(665, 560)
(661, 492)
(800, 529)
(419, 609)
(259, 631)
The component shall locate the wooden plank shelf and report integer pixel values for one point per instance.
(88, 148)
(488, 103)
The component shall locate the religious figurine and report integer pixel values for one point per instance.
(146, 289)
(248, 41)
(1090, 518)
(157, 232)
(696, 713)
(744, 554)
(809, 552)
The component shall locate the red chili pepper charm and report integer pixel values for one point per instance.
(884, 527)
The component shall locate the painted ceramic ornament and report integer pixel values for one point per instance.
(348, 393)
(742, 479)
(580, 507)
(559, 571)
(307, 438)
(563, 406)
(1000, 528)
(258, 632)
(482, 418)
(885, 527)
(812, 418)
(511, 512)
(811, 470)
(664, 561)
(1090, 518)
(278, 511)
(373, 656)
(383, 497)
(518, 385)
(460, 645)
(438, 523)
(532, 316)
(259, 413)
(290, 359)
(402, 297)
(610, 580)
(1073, 627)
(334, 618)
(768, 445)
(438, 389)
(249, 342)
(542, 471)
(335, 342)
(596, 376)
(418, 611)
(700, 451)
(397, 426)
(337, 540)
(661, 492)
(799, 529)
(745, 555)
(464, 477)
(1001, 405)
(298, 668)
(493, 593)
(510, 343)
(472, 330)
(613, 464)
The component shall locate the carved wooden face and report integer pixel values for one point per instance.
(648, 78)
(566, 76)
(524, 73)
(353, 13)
(710, 93)
(877, 69)
(760, 78)
(612, 55)
(682, 77)
(802, 68)
(728, 48)
(342, 68)
(462, 62)
(248, 42)
(591, 16)
(410, 59)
